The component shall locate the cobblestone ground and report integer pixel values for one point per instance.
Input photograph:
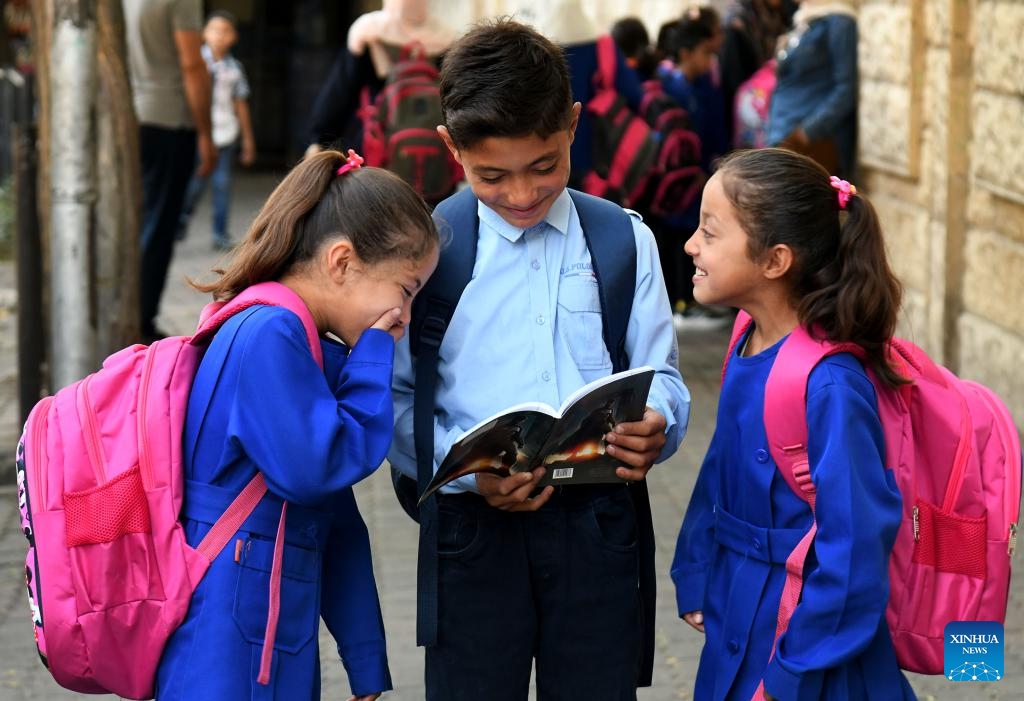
(22, 678)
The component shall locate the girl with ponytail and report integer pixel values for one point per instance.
(352, 246)
(788, 244)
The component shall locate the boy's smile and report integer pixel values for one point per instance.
(519, 177)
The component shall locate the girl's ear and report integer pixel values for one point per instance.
(338, 259)
(777, 261)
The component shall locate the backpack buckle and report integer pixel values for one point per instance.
(432, 332)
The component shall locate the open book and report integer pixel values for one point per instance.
(568, 441)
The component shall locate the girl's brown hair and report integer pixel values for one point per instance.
(376, 210)
(841, 284)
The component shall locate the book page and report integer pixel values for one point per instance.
(502, 445)
(575, 450)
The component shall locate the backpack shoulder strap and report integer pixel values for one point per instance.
(605, 76)
(609, 234)
(608, 230)
(432, 311)
(274, 294)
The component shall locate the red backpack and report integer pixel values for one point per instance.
(955, 453)
(400, 127)
(649, 159)
(100, 486)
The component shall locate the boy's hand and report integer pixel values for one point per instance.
(637, 444)
(695, 619)
(248, 155)
(512, 493)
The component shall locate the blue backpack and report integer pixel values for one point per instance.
(614, 259)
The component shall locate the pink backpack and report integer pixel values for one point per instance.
(750, 108)
(100, 486)
(956, 455)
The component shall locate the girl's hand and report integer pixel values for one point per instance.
(695, 619)
(512, 493)
(368, 697)
(391, 323)
(637, 444)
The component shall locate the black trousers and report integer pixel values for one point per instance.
(168, 161)
(558, 586)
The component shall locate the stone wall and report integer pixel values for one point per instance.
(942, 158)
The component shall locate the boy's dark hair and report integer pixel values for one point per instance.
(689, 32)
(373, 208)
(667, 40)
(840, 281)
(631, 37)
(505, 79)
(224, 15)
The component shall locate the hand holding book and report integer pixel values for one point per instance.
(568, 442)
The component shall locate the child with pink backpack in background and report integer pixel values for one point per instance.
(822, 549)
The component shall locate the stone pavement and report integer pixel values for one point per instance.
(22, 678)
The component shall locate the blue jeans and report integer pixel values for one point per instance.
(220, 180)
(556, 588)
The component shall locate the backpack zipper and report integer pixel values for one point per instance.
(91, 433)
(37, 478)
(1012, 506)
(145, 467)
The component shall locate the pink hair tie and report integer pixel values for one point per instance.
(845, 190)
(353, 161)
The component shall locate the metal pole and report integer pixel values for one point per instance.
(73, 78)
(29, 256)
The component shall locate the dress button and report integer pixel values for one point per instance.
(545, 375)
(733, 646)
(540, 320)
(535, 264)
(761, 455)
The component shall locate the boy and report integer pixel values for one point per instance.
(523, 574)
(232, 126)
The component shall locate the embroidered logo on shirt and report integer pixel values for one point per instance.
(973, 651)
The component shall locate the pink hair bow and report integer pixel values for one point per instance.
(353, 161)
(845, 190)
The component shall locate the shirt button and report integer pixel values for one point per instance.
(540, 320)
(545, 375)
(535, 264)
(761, 455)
(733, 646)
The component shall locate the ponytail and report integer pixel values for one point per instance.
(840, 282)
(376, 210)
(862, 303)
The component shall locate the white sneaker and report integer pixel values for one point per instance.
(699, 319)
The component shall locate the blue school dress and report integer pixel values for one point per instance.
(259, 400)
(743, 521)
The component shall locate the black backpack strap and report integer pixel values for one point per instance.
(432, 311)
(609, 234)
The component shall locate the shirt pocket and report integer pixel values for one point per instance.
(580, 322)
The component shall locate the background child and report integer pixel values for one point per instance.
(687, 78)
(778, 241)
(355, 245)
(232, 125)
(552, 576)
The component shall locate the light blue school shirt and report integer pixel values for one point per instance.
(528, 328)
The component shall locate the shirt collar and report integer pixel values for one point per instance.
(557, 218)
